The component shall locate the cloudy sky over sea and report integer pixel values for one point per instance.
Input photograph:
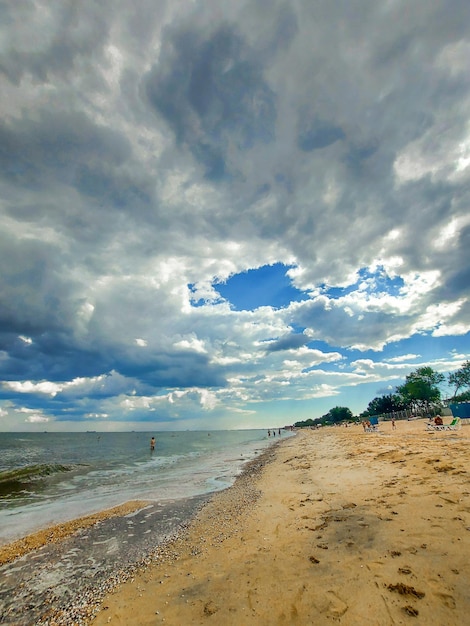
(229, 214)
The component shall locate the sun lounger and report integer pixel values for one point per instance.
(455, 424)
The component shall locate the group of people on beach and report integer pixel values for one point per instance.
(274, 432)
(367, 424)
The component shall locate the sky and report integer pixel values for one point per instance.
(229, 214)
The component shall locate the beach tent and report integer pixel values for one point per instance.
(374, 425)
(461, 409)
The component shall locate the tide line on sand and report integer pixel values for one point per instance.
(53, 534)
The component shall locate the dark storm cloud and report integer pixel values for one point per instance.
(211, 90)
(457, 271)
(56, 146)
(52, 41)
(319, 135)
(288, 342)
(182, 369)
(30, 298)
(52, 354)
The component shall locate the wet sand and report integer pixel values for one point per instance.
(16, 549)
(65, 570)
(335, 526)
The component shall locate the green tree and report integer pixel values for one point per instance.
(385, 404)
(460, 378)
(339, 414)
(305, 423)
(421, 389)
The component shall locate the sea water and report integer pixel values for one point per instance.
(47, 478)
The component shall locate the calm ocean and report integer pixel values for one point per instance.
(46, 478)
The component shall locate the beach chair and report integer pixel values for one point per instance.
(374, 425)
(454, 425)
(432, 426)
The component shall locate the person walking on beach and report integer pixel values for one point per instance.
(393, 423)
(152, 444)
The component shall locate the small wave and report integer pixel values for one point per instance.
(18, 479)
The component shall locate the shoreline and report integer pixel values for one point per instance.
(85, 558)
(104, 471)
(339, 526)
(58, 532)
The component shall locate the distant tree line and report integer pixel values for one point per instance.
(334, 416)
(419, 394)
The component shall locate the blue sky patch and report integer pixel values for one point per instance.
(426, 346)
(266, 286)
(377, 282)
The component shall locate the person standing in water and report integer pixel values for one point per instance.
(152, 444)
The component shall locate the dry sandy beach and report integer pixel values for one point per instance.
(330, 526)
(338, 527)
